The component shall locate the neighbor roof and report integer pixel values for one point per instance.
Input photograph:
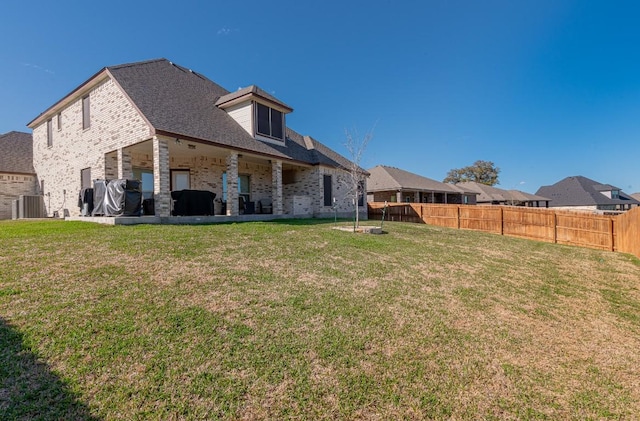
(582, 191)
(179, 102)
(16, 153)
(383, 178)
(495, 194)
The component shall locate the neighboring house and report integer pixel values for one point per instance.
(582, 193)
(396, 185)
(17, 176)
(174, 129)
(636, 196)
(490, 195)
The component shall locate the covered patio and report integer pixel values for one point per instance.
(245, 184)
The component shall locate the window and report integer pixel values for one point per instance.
(180, 179)
(361, 193)
(244, 187)
(85, 178)
(327, 189)
(86, 115)
(146, 178)
(49, 134)
(59, 121)
(615, 194)
(270, 122)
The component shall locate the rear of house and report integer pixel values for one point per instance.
(175, 130)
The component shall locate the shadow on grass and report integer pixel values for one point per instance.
(28, 388)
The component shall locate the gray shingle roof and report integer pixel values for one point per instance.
(383, 178)
(16, 153)
(582, 191)
(495, 194)
(179, 102)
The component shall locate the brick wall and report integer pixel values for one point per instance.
(12, 186)
(115, 123)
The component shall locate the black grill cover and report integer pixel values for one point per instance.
(192, 202)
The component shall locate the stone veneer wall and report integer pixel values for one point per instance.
(11, 187)
(206, 173)
(115, 123)
(310, 182)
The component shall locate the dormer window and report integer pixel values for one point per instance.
(258, 112)
(615, 194)
(270, 122)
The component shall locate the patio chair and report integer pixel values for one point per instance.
(265, 206)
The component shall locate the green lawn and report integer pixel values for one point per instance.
(295, 320)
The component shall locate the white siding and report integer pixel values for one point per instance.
(241, 113)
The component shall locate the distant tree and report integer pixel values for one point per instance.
(356, 175)
(484, 172)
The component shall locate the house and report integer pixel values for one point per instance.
(17, 176)
(395, 185)
(174, 129)
(582, 193)
(490, 195)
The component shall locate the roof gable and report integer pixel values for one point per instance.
(252, 92)
(16, 153)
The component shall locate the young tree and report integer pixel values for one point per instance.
(356, 146)
(484, 172)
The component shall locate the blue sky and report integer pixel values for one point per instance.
(545, 88)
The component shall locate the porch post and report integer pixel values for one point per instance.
(233, 207)
(276, 187)
(125, 169)
(110, 165)
(399, 196)
(161, 186)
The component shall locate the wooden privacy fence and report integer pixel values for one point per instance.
(614, 233)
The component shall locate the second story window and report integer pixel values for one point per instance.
(49, 134)
(86, 115)
(615, 194)
(270, 122)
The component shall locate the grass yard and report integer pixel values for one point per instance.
(294, 320)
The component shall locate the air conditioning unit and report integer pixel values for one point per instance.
(31, 207)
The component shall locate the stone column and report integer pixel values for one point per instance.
(276, 187)
(232, 184)
(125, 170)
(161, 186)
(399, 196)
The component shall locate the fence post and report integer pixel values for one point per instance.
(458, 217)
(501, 220)
(611, 233)
(555, 228)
